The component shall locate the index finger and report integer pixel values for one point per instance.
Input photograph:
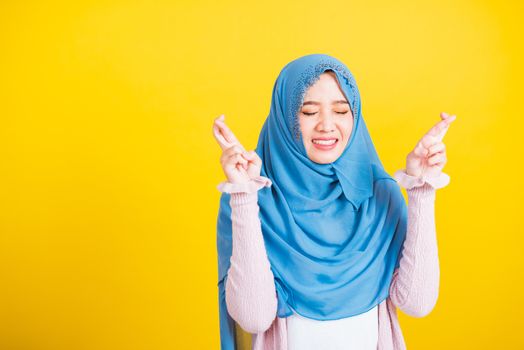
(440, 129)
(227, 134)
(220, 138)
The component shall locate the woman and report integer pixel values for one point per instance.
(316, 245)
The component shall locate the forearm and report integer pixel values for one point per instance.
(415, 284)
(250, 288)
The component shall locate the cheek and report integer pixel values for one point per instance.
(347, 128)
(306, 128)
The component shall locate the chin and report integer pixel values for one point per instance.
(324, 159)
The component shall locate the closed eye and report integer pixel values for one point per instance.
(305, 113)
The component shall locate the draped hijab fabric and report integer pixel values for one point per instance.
(333, 232)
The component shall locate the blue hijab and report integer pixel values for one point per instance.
(333, 232)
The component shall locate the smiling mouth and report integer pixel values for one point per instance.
(324, 142)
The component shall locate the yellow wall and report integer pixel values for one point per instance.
(108, 167)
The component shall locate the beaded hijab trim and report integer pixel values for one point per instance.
(307, 78)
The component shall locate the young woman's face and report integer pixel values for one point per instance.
(325, 119)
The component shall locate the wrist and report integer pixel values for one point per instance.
(252, 185)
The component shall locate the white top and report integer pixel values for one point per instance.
(359, 332)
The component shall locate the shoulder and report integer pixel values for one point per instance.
(386, 186)
(387, 190)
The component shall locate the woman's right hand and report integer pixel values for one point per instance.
(239, 165)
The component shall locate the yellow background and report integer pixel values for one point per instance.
(108, 167)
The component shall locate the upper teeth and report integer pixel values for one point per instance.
(325, 142)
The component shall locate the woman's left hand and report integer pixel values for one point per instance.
(429, 155)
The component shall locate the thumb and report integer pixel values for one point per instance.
(255, 158)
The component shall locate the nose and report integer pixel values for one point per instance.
(326, 123)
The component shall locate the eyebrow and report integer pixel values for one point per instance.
(318, 103)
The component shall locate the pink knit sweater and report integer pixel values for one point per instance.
(250, 289)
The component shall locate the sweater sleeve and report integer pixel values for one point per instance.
(415, 284)
(250, 288)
